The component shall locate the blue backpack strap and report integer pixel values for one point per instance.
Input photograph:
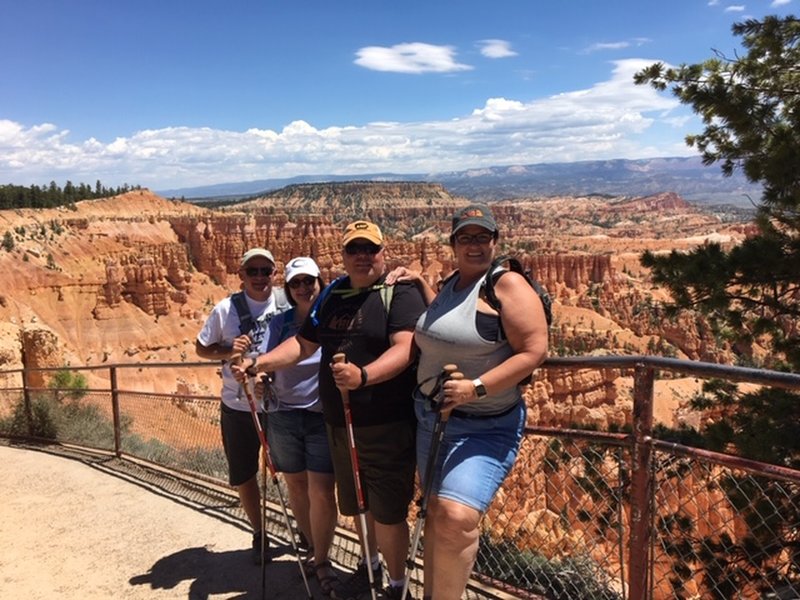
(386, 293)
(243, 311)
(323, 296)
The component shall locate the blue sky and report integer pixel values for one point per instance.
(168, 94)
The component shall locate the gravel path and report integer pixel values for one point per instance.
(69, 530)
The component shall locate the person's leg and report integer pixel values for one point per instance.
(322, 513)
(242, 450)
(250, 498)
(454, 550)
(393, 543)
(298, 489)
(285, 432)
(371, 541)
(478, 454)
(388, 475)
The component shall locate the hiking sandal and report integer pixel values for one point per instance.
(326, 582)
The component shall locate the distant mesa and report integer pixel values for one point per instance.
(686, 176)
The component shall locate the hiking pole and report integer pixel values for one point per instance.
(439, 424)
(274, 475)
(263, 525)
(351, 440)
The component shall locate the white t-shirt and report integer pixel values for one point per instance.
(222, 327)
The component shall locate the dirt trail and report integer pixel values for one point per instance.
(70, 531)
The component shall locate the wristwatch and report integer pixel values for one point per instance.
(480, 389)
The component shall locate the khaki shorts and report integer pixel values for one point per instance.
(386, 460)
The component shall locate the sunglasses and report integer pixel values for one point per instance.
(256, 271)
(479, 238)
(298, 281)
(369, 248)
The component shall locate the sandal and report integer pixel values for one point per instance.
(328, 582)
(308, 566)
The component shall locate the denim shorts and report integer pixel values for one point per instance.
(298, 441)
(475, 456)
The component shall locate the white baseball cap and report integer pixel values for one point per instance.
(302, 265)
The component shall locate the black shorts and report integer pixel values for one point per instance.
(241, 443)
(387, 460)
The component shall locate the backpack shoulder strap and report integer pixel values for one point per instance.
(282, 303)
(387, 293)
(316, 308)
(243, 312)
(494, 273)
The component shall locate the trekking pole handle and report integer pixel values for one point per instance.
(457, 375)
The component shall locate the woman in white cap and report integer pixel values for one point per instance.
(295, 427)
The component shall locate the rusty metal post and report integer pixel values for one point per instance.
(26, 400)
(115, 412)
(641, 482)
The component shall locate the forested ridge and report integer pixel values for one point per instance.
(34, 196)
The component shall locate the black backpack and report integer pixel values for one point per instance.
(494, 273)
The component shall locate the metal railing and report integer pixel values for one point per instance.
(583, 515)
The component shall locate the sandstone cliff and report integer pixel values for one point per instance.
(131, 278)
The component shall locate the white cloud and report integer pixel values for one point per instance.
(621, 45)
(416, 57)
(713, 2)
(606, 46)
(776, 3)
(735, 8)
(611, 119)
(496, 49)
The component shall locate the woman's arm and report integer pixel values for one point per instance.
(400, 274)
(290, 352)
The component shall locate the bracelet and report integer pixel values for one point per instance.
(363, 377)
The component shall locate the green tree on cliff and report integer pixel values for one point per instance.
(750, 107)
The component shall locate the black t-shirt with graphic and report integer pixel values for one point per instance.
(359, 326)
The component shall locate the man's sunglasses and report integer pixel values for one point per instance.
(298, 281)
(256, 271)
(369, 248)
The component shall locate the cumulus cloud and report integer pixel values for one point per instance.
(496, 48)
(416, 57)
(611, 119)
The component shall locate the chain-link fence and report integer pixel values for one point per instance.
(583, 514)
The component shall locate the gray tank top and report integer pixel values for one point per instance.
(446, 333)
